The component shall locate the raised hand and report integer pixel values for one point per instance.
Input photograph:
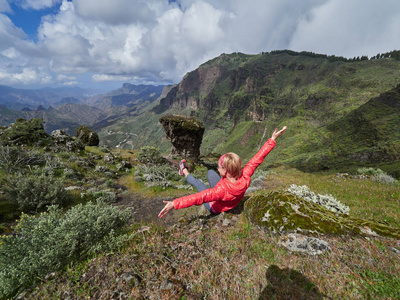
(278, 133)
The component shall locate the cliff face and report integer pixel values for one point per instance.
(246, 87)
(193, 87)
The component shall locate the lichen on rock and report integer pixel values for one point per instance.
(300, 243)
(327, 201)
(185, 134)
(61, 141)
(282, 212)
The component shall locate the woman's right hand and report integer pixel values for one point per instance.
(169, 205)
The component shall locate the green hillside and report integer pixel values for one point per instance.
(242, 98)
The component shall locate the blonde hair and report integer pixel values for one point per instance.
(232, 163)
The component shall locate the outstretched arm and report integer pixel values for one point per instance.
(278, 133)
(262, 153)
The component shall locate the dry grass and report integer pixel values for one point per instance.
(205, 260)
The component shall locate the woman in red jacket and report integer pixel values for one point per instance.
(227, 192)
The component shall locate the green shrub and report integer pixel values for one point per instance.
(47, 242)
(24, 132)
(14, 159)
(35, 192)
(150, 155)
(162, 175)
(377, 175)
(109, 183)
(370, 171)
(102, 195)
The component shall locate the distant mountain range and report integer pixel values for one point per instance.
(68, 108)
(18, 99)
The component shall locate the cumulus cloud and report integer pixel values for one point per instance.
(9, 33)
(4, 6)
(350, 28)
(120, 11)
(37, 4)
(158, 41)
(26, 76)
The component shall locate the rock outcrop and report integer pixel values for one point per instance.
(61, 141)
(282, 212)
(185, 134)
(87, 136)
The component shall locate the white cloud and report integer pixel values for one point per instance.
(104, 77)
(4, 6)
(71, 83)
(350, 28)
(26, 76)
(157, 41)
(120, 11)
(9, 33)
(62, 77)
(37, 4)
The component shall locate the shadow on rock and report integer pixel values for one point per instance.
(289, 284)
(237, 210)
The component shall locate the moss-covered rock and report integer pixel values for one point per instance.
(87, 136)
(283, 212)
(185, 133)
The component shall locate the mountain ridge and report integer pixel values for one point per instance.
(240, 97)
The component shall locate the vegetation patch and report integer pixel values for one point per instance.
(48, 242)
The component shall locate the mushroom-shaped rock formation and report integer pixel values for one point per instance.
(185, 134)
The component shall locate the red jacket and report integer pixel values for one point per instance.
(226, 195)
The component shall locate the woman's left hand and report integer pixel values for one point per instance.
(169, 205)
(278, 133)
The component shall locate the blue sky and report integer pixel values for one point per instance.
(29, 19)
(103, 43)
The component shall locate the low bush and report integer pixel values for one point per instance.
(385, 178)
(370, 171)
(377, 175)
(102, 195)
(49, 241)
(32, 193)
(14, 159)
(24, 132)
(150, 155)
(162, 175)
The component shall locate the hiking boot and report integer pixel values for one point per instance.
(182, 166)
